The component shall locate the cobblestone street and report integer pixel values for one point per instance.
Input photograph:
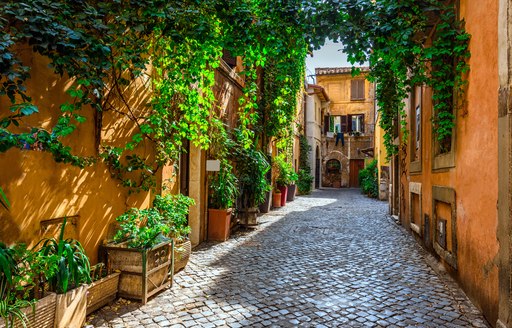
(331, 259)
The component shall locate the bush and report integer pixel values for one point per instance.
(304, 182)
(368, 180)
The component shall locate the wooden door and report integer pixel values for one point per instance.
(356, 165)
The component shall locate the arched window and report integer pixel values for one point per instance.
(333, 166)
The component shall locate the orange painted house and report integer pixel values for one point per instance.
(448, 199)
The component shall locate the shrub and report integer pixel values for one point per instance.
(368, 180)
(304, 182)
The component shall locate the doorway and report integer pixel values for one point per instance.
(356, 165)
(317, 168)
(184, 168)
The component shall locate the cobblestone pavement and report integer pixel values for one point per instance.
(331, 259)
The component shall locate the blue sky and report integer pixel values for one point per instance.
(330, 55)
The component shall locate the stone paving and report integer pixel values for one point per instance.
(331, 259)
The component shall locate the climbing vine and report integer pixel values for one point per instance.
(414, 42)
(152, 62)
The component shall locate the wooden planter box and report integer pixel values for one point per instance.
(71, 308)
(181, 255)
(43, 317)
(102, 292)
(144, 272)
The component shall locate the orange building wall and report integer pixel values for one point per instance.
(40, 189)
(475, 175)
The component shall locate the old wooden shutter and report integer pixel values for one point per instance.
(353, 89)
(327, 120)
(345, 127)
(228, 58)
(362, 122)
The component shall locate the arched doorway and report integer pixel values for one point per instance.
(317, 168)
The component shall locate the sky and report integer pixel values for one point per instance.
(330, 55)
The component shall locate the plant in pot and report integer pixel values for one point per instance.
(284, 172)
(252, 168)
(142, 253)
(174, 210)
(292, 187)
(67, 269)
(276, 198)
(223, 192)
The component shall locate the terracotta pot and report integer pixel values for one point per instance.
(265, 207)
(218, 224)
(276, 199)
(284, 194)
(291, 192)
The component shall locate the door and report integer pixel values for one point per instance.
(317, 168)
(184, 168)
(356, 165)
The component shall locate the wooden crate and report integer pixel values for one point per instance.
(42, 317)
(144, 272)
(102, 292)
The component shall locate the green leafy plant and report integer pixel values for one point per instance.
(174, 211)
(142, 229)
(285, 173)
(223, 187)
(251, 169)
(10, 306)
(305, 179)
(368, 180)
(65, 261)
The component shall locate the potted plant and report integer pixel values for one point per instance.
(276, 198)
(142, 254)
(174, 210)
(252, 168)
(292, 187)
(67, 270)
(103, 289)
(284, 172)
(223, 191)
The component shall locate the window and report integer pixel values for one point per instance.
(356, 123)
(415, 128)
(357, 90)
(335, 123)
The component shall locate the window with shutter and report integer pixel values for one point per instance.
(357, 90)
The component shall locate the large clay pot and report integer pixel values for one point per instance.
(284, 194)
(276, 200)
(291, 192)
(265, 207)
(218, 224)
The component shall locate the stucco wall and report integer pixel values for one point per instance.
(475, 174)
(40, 189)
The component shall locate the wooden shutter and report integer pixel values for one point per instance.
(344, 125)
(362, 121)
(357, 90)
(327, 121)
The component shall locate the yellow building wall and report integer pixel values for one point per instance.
(40, 189)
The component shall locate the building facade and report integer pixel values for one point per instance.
(348, 128)
(317, 106)
(447, 195)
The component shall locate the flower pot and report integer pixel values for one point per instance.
(144, 272)
(71, 308)
(218, 224)
(276, 200)
(181, 255)
(42, 317)
(291, 192)
(102, 292)
(249, 216)
(265, 207)
(284, 194)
